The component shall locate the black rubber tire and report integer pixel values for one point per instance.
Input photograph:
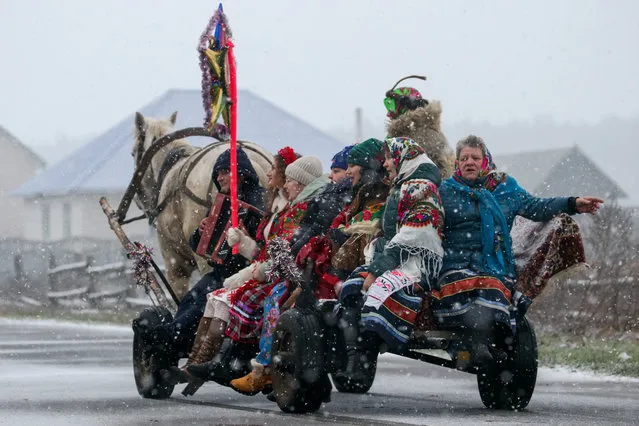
(148, 362)
(513, 386)
(299, 380)
(350, 386)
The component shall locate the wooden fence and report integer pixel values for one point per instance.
(78, 272)
(97, 286)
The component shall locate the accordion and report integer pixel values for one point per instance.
(213, 243)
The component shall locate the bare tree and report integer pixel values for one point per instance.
(606, 300)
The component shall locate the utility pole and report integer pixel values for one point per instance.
(359, 132)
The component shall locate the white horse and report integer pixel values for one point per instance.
(185, 192)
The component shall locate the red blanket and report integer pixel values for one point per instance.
(543, 250)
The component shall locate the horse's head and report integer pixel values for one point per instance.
(146, 131)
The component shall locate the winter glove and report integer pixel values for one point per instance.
(238, 279)
(247, 247)
(233, 236)
(259, 271)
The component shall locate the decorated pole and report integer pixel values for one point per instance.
(219, 91)
(233, 132)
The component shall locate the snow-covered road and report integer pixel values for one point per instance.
(54, 373)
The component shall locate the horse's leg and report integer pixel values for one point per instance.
(202, 265)
(178, 272)
(178, 260)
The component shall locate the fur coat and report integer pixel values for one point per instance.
(423, 125)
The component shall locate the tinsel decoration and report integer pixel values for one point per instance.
(282, 264)
(219, 91)
(141, 257)
(214, 58)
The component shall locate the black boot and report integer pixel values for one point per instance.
(219, 368)
(481, 357)
(174, 375)
(482, 351)
(325, 387)
(521, 303)
(349, 323)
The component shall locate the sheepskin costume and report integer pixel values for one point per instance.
(423, 125)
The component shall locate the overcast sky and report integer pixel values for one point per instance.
(76, 67)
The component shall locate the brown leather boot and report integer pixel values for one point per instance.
(200, 337)
(208, 349)
(211, 343)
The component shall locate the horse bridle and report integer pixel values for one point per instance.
(139, 157)
(144, 159)
(140, 150)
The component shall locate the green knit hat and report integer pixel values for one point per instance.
(368, 154)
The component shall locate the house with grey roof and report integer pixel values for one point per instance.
(563, 172)
(18, 164)
(559, 172)
(62, 201)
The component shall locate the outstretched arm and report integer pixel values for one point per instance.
(543, 209)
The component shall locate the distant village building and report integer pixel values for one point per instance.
(563, 172)
(18, 164)
(559, 172)
(62, 202)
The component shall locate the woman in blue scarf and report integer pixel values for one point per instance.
(475, 290)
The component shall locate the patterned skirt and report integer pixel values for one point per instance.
(464, 299)
(394, 320)
(246, 312)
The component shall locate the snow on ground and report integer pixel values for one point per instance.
(548, 373)
(565, 374)
(112, 328)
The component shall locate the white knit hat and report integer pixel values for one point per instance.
(304, 170)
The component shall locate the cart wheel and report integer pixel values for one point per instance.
(346, 385)
(148, 361)
(299, 382)
(513, 386)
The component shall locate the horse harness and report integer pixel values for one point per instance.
(172, 159)
(143, 160)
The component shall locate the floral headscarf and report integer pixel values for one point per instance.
(403, 151)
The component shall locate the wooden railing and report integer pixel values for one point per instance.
(94, 284)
